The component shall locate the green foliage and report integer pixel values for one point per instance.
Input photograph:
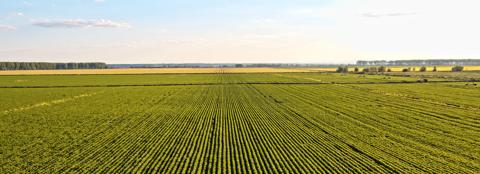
(382, 69)
(49, 66)
(443, 76)
(366, 70)
(374, 69)
(191, 79)
(445, 62)
(423, 69)
(237, 123)
(457, 69)
(356, 70)
(342, 69)
(422, 80)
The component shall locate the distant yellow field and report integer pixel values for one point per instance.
(472, 68)
(154, 71)
(323, 69)
(261, 70)
(204, 70)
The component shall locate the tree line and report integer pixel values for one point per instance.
(50, 66)
(223, 65)
(431, 62)
(381, 69)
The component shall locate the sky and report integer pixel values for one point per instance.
(241, 31)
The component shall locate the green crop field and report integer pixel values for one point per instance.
(239, 123)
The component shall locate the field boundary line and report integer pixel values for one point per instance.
(240, 83)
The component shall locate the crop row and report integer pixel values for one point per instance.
(411, 135)
(243, 129)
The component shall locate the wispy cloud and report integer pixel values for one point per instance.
(27, 3)
(264, 21)
(80, 23)
(7, 27)
(99, 1)
(16, 14)
(379, 15)
(309, 12)
(12, 15)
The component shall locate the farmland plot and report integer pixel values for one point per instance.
(235, 127)
(43, 81)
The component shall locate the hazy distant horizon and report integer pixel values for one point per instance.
(324, 63)
(183, 31)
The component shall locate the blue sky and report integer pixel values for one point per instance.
(222, 31)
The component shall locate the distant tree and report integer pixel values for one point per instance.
(366, 70)
(238, 65)
(339, 69)
(414, 69)
(406, 70)
(431, 62)
(47, 66)
(3, 66)
(423, 69)
(381, 69)
(356, 69)
(435, 69)
(422, 80)
(457, 69)
(342, 69)
(389, 70)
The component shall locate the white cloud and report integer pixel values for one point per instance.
(16, 14)
(394, 14)
(395, 29)
(27, 3)
(264, 21)
(341, 31)
(7, 27)
(80, 23)
(306, 12)
(99, 1)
